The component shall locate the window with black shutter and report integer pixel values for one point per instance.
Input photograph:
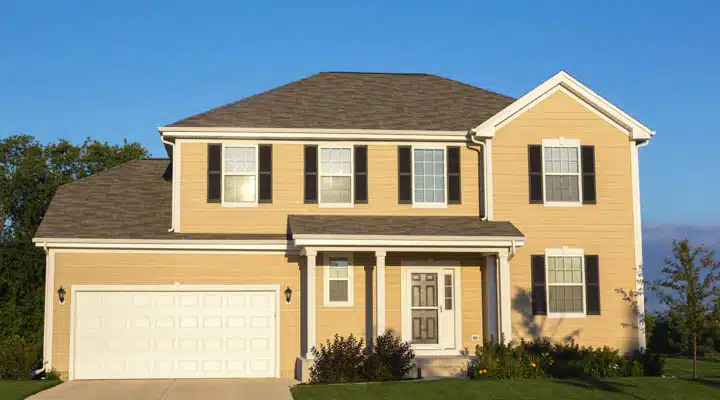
(404, 175)
(265, 173)
(535, 170)
(588, 174)
(310, 177)
(538, 294)
(214, 171)
(453, 175)
(592, 284)
(361, 174)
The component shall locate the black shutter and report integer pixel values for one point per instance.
(214, 186)
(404, 175)
(592, 284)
(361, 174)
(535, 169)
(453, 175)
(311, 175)
(539, 302)
(588, 174)
(265, 173)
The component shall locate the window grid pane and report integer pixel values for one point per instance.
(562, 173)
(339, 279)
(240, 160)
(565, 284)
(336, 175)
(239, 188)
(429, 175)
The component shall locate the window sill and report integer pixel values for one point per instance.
(429, 205)
(336, 205)
(566, 315)
(240, 205)
(338, 305)
(563, 204)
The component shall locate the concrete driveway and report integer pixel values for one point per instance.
(170, 389)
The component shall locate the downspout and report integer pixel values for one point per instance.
(172, 160)
(484, 209)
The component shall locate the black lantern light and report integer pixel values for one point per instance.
(61, 295)
(288, 294)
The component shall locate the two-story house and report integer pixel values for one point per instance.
(350, 203)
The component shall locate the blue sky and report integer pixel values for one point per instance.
(74, 69)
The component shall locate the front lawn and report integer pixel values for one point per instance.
(708, 387)
(18, 390)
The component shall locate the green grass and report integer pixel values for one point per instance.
(708, 387)
(18, 390)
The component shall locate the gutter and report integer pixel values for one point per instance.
(172, 160)
(484, 210)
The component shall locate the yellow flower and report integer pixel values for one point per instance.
(533, 364)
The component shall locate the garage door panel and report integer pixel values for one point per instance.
(198, 334)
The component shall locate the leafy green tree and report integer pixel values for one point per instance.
(689, 289)
(30, 172)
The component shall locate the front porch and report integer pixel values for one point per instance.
(445, 294)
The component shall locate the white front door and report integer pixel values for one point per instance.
(431, 308)
(145, 333)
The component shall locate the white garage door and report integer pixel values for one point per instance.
(134, 334)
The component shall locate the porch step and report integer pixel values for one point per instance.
(441, 366)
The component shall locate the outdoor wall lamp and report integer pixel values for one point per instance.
(61, 295)
(288, 295)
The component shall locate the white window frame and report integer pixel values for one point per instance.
(350, 279)
(351, 204)
(417, 204)
(222, 176)
(566, 252)
(562, 142)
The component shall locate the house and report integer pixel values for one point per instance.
(350, 203)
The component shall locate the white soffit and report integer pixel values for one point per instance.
(564, 81)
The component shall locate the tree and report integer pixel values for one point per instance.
(689, 289)
(30, 172)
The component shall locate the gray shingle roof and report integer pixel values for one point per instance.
(352, 100)
(400, 226)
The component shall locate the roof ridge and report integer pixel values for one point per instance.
(474, 87)
(376, 73)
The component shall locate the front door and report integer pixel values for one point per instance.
(431, 299)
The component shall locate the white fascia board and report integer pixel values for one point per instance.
(635, 128)
(314, 134)
(408, 243)
(436, 238)
(276, 245)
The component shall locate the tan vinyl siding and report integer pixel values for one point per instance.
(605, 228)
(165, 269)
(197, 215)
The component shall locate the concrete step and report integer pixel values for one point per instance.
(441, 366)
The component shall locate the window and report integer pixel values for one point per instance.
(338, 288)
(336, 174)
(448, 290)
(240, 170)
(562, 173)
(429, 176)
(565, 283)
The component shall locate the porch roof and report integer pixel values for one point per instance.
(466, 227)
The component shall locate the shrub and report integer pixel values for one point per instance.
(388, 358)
(338, 361)
(540, 358)
(345, 360)
(17, 357)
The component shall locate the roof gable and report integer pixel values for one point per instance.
(562, 81)
(350, 100)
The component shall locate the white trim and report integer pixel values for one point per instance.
(48, 320)
(238, 245)
(339, 141)
(569, 143)
(172, 288)
(492, 293)
(310, 301)
(637, 233)
(350, 175)
(424, 204)
(253, 203)
(380, 290)
(408, 242)
(312, 134)
(563, 80)
(176, 184)
(566, 252)
(172, 251)
(408, 266)
(489, 188)
(350, 280)
(504, 297)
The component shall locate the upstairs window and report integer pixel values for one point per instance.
(240, 170)
(336, 174)
(562, 173)
(429, 177)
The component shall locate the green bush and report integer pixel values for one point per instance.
(540, 358)
(388, 358)
(344, 360)
(17, 357)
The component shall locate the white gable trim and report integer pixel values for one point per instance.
(563, 81)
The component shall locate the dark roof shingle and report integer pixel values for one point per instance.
(463, 226)
(346, 100)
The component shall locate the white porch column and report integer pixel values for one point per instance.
(491, 297)
(380, 291)
(505, 300)
(310, 268)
